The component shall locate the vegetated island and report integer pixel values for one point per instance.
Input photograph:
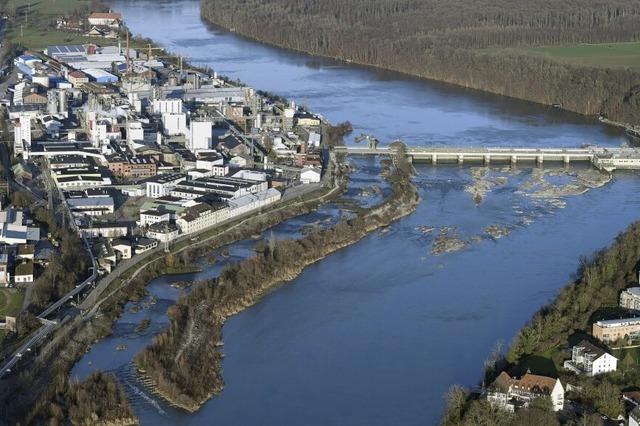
(542, 346)
(525, 49)
(98, 400)
(184, 362)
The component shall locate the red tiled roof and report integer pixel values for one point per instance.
(113, 15)
(529, 382)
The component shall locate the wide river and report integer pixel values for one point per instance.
(376, 333)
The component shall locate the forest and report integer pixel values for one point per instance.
(446, 41)
(184, 362)
(96, 400)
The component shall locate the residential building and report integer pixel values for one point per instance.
(200, 217)
(588, 359)
(618, 329)
(111, 19)
(24, 272)
(509, 393)
(630, 298)
(165, 232)
(102, 31)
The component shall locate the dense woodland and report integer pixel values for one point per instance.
(184, 362)
(97, 400)
(443, 40)
(592, 296)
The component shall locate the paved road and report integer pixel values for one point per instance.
(49, 326)
(33, 341)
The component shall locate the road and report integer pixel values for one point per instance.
(49, 326)
(33, 341)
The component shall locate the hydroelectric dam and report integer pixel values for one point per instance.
(604, 159)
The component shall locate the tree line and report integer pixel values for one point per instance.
(446, 41)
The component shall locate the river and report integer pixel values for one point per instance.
(376, 333)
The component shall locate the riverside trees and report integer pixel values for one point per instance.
(453, 40)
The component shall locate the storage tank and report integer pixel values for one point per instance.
(62, 102)
(52, 102)
(173, 80)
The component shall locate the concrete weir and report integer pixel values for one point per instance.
(606, 159)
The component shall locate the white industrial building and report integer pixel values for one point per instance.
(149, 217)
(251, 202)
(22, 135)
(135, 132)
(12, 230)
(91, 206)
(162, 185)
(174, 124)
(200, 136)
(254, 175)
(167, 106)
(310, 175)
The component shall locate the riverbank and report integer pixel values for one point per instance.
(184, 363)
(540, 347)
(591, 91)
(72, 340)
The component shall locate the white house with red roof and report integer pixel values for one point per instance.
(110, 19)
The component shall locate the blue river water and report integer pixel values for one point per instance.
(376, 333)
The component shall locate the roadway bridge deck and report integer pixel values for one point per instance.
(608, 159)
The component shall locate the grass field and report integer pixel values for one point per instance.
(607, 55)
(48, 7)
(31, 28)
(36, 39)
(10, 302)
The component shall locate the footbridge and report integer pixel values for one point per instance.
(608, 159)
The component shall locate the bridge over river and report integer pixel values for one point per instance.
(607, 159)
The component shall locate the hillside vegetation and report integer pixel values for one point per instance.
(464, 42)
(542, 345)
